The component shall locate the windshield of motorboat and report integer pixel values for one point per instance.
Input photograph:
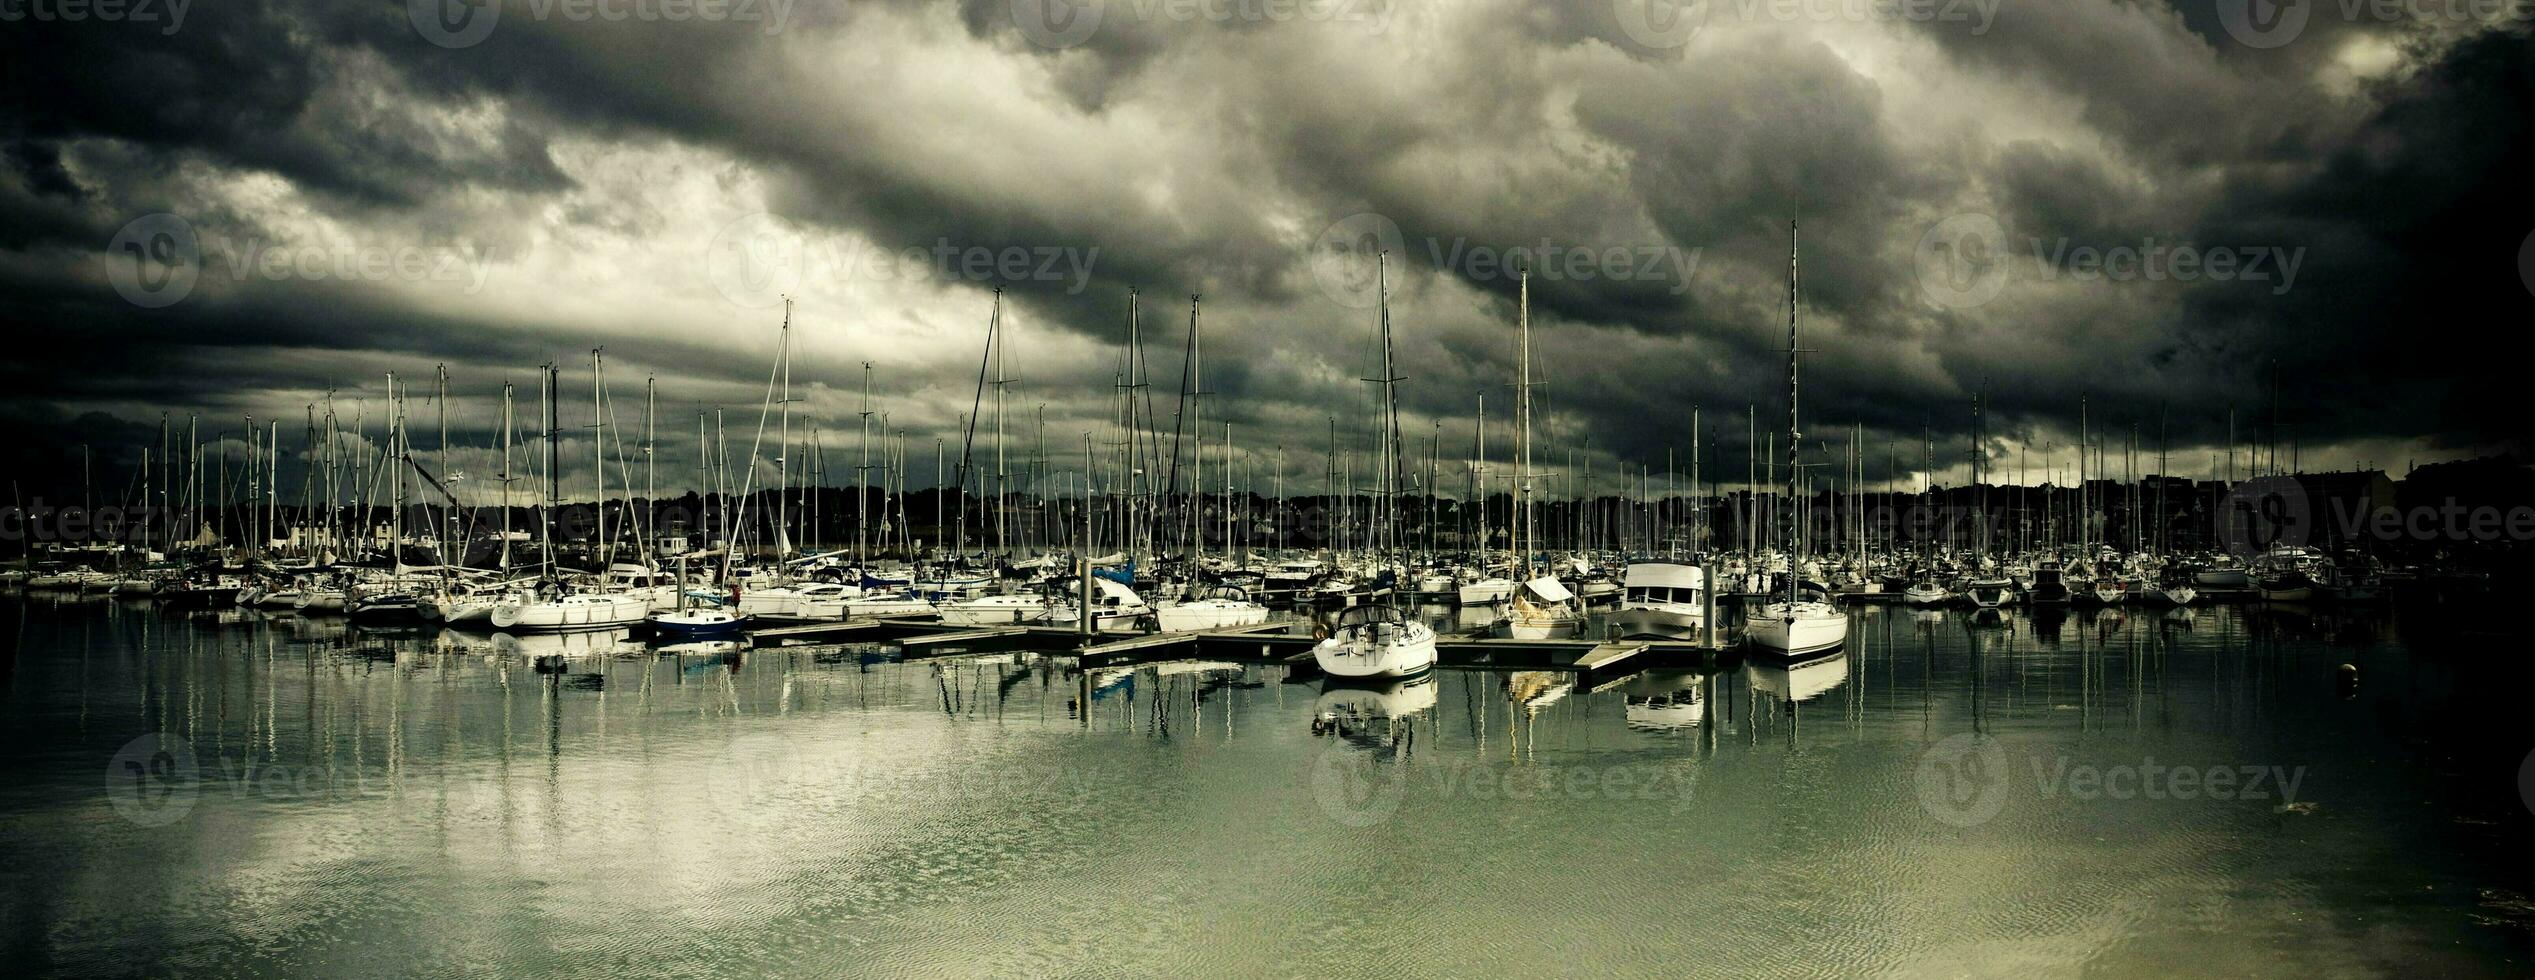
(1368, 615)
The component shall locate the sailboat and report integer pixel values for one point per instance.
(1795, 624)
(689, 622)
(1376, 640)
(1543, 609)
(548, 610)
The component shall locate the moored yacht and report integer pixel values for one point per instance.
(571, 613)
(1374, 642)
(1218, 607)
(1661, 599)
(1543, 610)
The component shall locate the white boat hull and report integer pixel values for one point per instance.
(1487, 592)
(1209, 615)
(994, 611)
(1772, 630)
(564, 616)
(1390, 653)
(1659, 622)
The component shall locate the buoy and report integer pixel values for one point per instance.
(2347, 676)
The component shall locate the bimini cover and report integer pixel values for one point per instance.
(1549, 589)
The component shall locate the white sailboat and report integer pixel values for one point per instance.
(1795, 623)
(1217, 607)
(1543, 609)
(1375, 640)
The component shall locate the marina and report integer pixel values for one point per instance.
(1427, 488)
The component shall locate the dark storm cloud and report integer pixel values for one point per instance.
(1201, 155)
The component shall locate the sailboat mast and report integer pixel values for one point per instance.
(1795, 434)
(1524, 545)
(505, 478)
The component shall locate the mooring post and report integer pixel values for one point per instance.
(1707, 614)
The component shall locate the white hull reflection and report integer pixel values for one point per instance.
(1800, 681)
(1361, 711)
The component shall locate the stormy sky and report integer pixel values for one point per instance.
(228, 208)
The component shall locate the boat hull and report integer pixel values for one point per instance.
(1187, 616)
(570, 617)
(1782, 635)
(1380, 659)
(1669, 624)
(674, 628)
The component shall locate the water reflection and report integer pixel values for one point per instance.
(1667, 701)
(900, 815)
(1796, 682)
(1380, 717)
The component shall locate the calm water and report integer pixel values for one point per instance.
(238, 794)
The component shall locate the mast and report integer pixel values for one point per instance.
(651, 473)
(862, 480)
(783, 448)
(1479, 477)
(1524, 544)
(598, 453)
(1795, 434)
(505, 478)
(547, 396)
